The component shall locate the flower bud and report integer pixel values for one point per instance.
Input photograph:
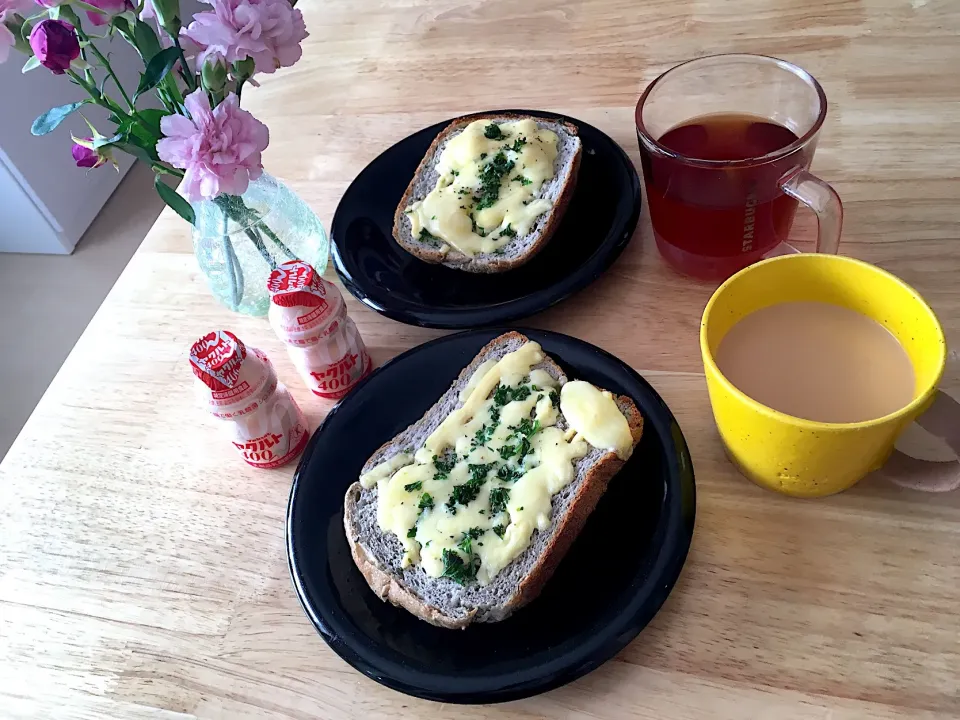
(242, 69)
(168, 15)
(55, 44)
(87, 156)
(214, 73)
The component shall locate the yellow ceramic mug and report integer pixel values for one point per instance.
(801, 457)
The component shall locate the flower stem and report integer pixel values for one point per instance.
(258, 242)
(106, 66)
(231, 258)
(188, 77)
(273, 236)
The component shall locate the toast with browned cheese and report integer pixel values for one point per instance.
(465, 515)
(490, 192)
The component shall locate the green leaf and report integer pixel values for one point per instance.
(30, 64)
(157, 69)
(178, 204)
(54, 116)
(147, 144)
(88, 7)
(151, 118)
(138, 152)
(145, 40)
(101, 142)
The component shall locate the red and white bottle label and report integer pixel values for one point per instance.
(335, 381)
(273, 436)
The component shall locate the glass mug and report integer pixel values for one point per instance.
(723, 189)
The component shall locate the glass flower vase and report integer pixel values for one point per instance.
(239, 239)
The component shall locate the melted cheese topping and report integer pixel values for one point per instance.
(594, 415)
(458, 211)
(483, 482)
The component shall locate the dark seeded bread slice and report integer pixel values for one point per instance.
(441, 601)
(521, 248)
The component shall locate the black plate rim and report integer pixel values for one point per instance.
(506, 312)
(681, 522)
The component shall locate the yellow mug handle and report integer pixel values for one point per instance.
(941, 419)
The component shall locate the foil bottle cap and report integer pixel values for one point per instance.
(296, 284)
(216, 359)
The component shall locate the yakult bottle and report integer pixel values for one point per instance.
(309, 315)
(239, 384)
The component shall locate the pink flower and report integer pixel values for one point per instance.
(219, 149)
(269, 31)
(55, 44)
(109, 7)
(7, 41)
(9, 7)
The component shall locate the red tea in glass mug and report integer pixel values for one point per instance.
(726, 142)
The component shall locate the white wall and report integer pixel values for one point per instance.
(57, 200)
(46, 201)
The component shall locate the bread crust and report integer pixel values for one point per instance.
(388, 588)
(458, 260)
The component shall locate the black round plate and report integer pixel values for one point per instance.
(597, 226)
(614, 579)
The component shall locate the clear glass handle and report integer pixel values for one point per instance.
(941, 419)
(823, 200)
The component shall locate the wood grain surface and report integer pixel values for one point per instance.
(142, 567)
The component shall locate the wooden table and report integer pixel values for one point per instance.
(142, 567)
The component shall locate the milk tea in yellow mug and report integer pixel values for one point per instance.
(811, 420)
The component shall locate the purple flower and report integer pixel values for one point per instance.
(84, 154)
(55, 44)
(218, 149)
(109, 7)
(269, 31)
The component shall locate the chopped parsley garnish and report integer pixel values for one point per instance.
(429, 238)
(526, 428)
(500, 531)
(455, 172)
(478, 473)
(493, 132)
(508, 474)
(467, 493)
(490, 178)
(555, 398)
(466, 542)
(410, 487)
(504, 394)
(426, 502)
(412, 532)
(521, 393)
(495, 415)
(482, 437)
(518, 144)
(523, 180)
(508, 232)
(520, 450)
(483, 156)
(456, 569)
(444, 467)
(498, 499)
